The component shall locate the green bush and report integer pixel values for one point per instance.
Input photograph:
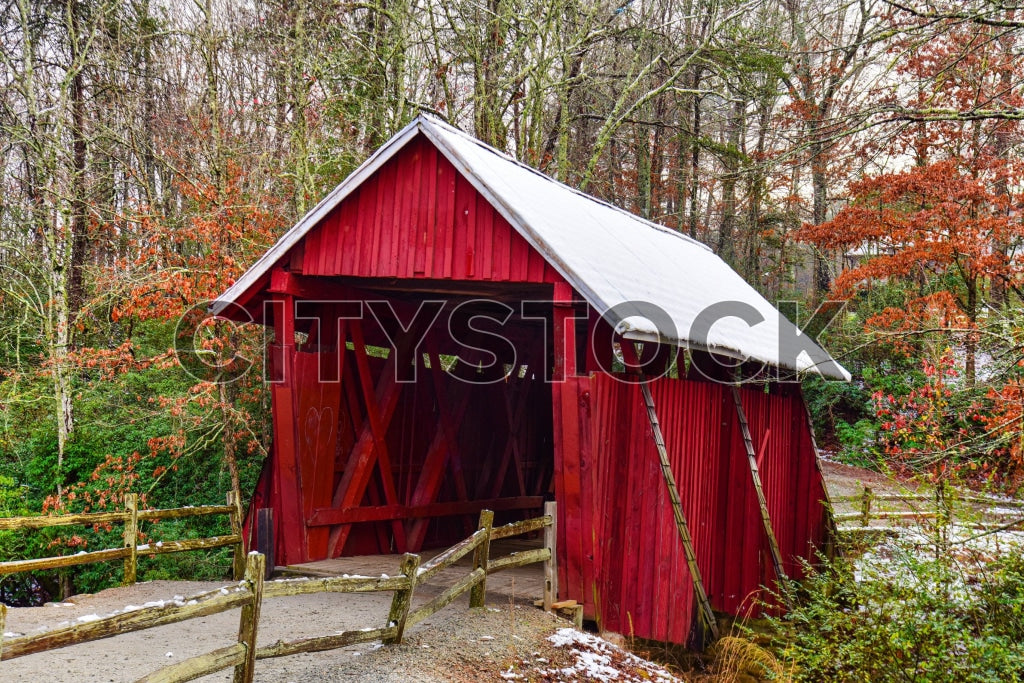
(857, 444)
(907, 617)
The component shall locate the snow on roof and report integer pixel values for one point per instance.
(657, 280)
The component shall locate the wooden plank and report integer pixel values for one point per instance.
(329, 242)
(203, 605)
(345, 238)
(588, 520)
(165, 547)
(520, 559)
(523, 527)
(451, 181)
(15, 566)
(381, 513)
(178, 513)
(677, 511)
(381, 217)
(766, 521)
(485, 224)
(451, 555)
(426, 227)
(324, 643)
(44, 522)
(336, 584)
(198, 666)
(402, 599)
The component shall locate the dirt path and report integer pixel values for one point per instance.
(506, 640)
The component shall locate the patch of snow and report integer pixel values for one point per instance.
(85, 619)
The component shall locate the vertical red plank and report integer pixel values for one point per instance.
(465, 204)
(292, 526)
(588, 522)
(504, 247)
(452, 178)
(311, 251)
(428, 213)
(406, 192)
(383, 258)
(368, 217)
(403, 239)
(325, 244)
(485, 226)
(354, 205)
(532, 267)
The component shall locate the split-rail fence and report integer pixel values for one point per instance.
(253, 589)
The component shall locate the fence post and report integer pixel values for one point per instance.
(3, 619)
(249, 622)
(265, 537)
(865, 507)
(403, 598)
(551, 564)
(238, 563)
(480, 558)
(131, 536)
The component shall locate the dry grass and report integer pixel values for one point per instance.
(738, 660)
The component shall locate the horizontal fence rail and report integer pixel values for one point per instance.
(132, 548)
(252, 590)
(938, 506)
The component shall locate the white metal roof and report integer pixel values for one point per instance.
(613, 258)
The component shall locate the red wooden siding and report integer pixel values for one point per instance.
(418, 217)
(627, 565)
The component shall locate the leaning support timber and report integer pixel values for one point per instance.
(250, 619)
(403, 599)
(748, 443)
(677, 511)
(481, 558)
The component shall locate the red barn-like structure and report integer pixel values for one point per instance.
(455, 331)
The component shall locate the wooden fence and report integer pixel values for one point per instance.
(130, 517)
(250, 593)
(922, 507)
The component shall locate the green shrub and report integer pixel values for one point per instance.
(904, 616)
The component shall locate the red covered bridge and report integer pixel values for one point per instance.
(455, 331)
